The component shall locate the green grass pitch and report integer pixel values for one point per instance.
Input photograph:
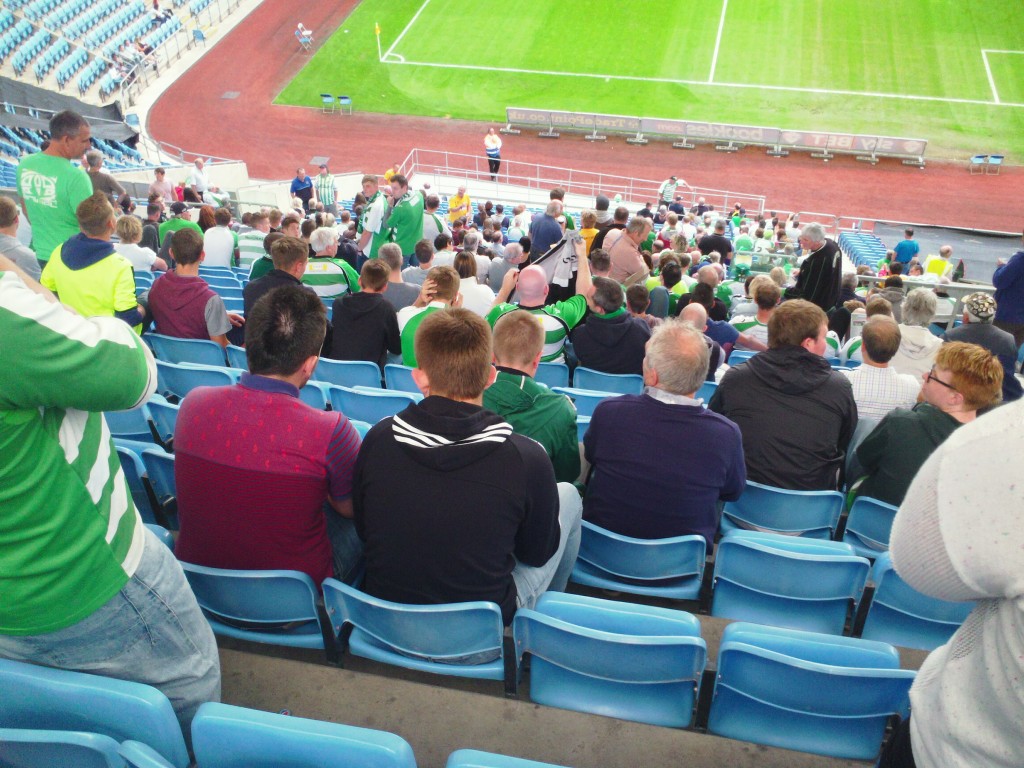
(948, 71)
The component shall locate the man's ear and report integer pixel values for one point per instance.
(492, 374)
(422, 380)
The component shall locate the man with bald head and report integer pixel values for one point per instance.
(559, 318)
(705, 449)
(696, 316)
(709, 276)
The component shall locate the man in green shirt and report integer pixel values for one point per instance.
(558, 319)
(372, 230)
(440, 290)
(406, 219)
(51, 187)
(85, 585)
(180, 219)
(324, 190)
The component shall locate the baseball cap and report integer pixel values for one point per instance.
(178, 208)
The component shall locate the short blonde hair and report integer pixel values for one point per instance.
(129, 230)
(94, 214)
(518, 338)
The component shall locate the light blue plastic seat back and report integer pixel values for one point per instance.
(163, 535)
(472, 758)
(37, 697)
(623, 660)
(553, 374)
(362, 427)
(134, 472)
(813, 514)
(582, 425)
(179, 380)
(868, 526)
(139, 755)
(314, 394)
(347, 373)
(586, 400)
(272, 607)
(670, 568)
(399, 378)
(621, 383)
(787, 581)
(459, 639)
(174, 350)
(20, 748)
(226, 736)
(371, 407)
(165, 418)
(237, 358)
(707, 389)
(901, 615)
(823, 694)
(738, 356)
(160, 469)
(130, 425)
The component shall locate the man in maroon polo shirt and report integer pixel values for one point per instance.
(264, 481)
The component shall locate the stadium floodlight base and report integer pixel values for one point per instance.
(826, 156)
(638, 140)
(595, 137)
(549, 134)
(683, 145)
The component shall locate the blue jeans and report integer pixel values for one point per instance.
(152, 632)
(532, 582)
(346, 547)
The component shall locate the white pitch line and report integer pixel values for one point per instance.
(672, 81)
(991, 80)
(718, 41)
(407, 27)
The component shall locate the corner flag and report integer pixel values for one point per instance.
(376, 29)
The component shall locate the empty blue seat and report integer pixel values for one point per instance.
(707, 389)
(160, 471)
(738, 356)
(813, 514)
(901, 615)
(787, 581)
(175, 350)
(347, 373)
(586, 400)
(276, 607)
(24, 748)
(130, 425)
(458, 639)
(179, 380)
(805, 691)
(622, 660)
(55, 699)
(471, 758)
(369, 406)
(672, 568)
(868, 526)
(226, 736)
(165, 417)
(315, 394)
(622, 383)
(399, 377)
(553, 374)
(136, 478)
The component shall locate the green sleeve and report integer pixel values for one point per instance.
(565, 455)
(350, 274)
(571, 310)
(79, 187)
(498, 311)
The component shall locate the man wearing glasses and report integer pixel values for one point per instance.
(964, 379)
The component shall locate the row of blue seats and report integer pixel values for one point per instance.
(90, 18)
(13, 37)
(71, 65)
(51, 56)
(127, 34)
(7, 19)
(29, 50)
(62, 14)
(118, 20)
(37, 8)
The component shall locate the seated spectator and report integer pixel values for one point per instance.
(476, 298)
(10, 246)
(151, 226)
(588, 227)
(766, 295)
(977, 328)
(848, 288)
(512, 257)
(696, 316)
(796, 414)
(181, 218)
(965, 377)
(415, 275)
(709, 276)
(627, 264)
(531, 408)
(450, 503)
(918, 345)
(728, 336)
(87, 274)
(129, 233)
(877, 388)
(365, 326)
(289, 258)
(220, 243)
(600, 263)
(181, 302)
(399, 294)
(611, 340)
(326, 274)
(280, 497)
(632, 434)
(252, 254)
(638, 301)
(440, 290)
(471, 244)
(85, 585)
(892, 291)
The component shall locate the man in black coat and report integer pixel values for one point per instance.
(821, 273)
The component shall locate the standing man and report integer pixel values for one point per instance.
(406, 220)
(161, 186)
(625, 251)
(907, 248)
(821, 273)
(1009, 282)
(492, 146)
(433, 223)
(459, 205)
(717, 241)
(667, 191)
(372, 232)
(325, 191)
(302, 188)
(51, 187)
(198, 179)
(102, 181)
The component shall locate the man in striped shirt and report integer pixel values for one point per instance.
(324, 190)
(250, 244)
(85, 585)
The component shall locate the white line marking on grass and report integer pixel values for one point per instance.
(718, 42)
(674, 81)
(407, 27)
(988, 71)
(397, 58)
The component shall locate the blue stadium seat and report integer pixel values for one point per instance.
(582, 425)
(812, 514)
(471, 758)
(868, 526)
(670, 568)
(160, 471)
(399, 378)
(130, 425)
(458, 639)
(55, 699)
(226, 736)
(368, 405)
(275, 607)
(347, 373)
(179, 380)
(814, 693)
(622, 660)
(585, 400)
(25, 748)
(163, 535)
(623, 384)
(553, 374)
(787, 581)
(901, 615)
(137, 479)
(164, 416)
(236, 357)
(706, 391)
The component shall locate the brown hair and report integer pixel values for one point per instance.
(453, 347)
(93, 214)
(287, 251)
(518, 338)
(446, 282)
(374, 274)
(794, 322)
(465, 265)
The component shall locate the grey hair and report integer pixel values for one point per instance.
(554, 208)
(320, 238)
(471, 242)
(814, 232)
(94, 158)
(638, 225)
(513, 251)
(391, 253)
(919, 307)
(850, 281)
(680, 355)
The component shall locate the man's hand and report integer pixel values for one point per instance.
(427, 292)
(236, 320)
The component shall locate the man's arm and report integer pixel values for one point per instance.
(751, 343)
(342, 506)
(341, 460)
(508, 284)
(584, 281)
(217, 321)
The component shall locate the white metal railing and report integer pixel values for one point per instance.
(574, 181)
